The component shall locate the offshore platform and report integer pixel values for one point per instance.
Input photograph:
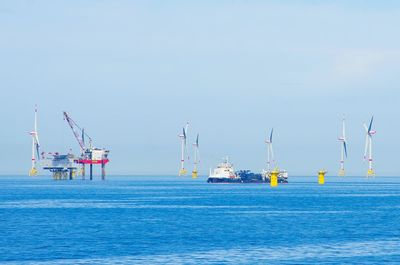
(65, 166)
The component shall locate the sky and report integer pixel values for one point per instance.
(134, 72)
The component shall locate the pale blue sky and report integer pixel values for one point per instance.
(133, 72)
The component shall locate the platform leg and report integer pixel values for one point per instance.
(103, 171)
(91, 171)
(83, 171)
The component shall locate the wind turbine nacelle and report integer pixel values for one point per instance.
(372, 132)
(341, 139)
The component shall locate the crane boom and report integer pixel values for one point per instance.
(72, 124)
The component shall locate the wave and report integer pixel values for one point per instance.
(382, 250)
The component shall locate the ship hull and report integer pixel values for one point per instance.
(224, 180)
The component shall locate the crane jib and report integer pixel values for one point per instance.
(71, 124)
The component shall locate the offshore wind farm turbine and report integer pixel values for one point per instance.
(270, 151)
(35, 147)
(196, 157)
(343, 144)
(183, 136)
(368, 147)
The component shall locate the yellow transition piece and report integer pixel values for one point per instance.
(274, 178)
(182, 172)
(321, 177)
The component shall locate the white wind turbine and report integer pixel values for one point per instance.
(35, 147)
(270, 152)
(368, 147)
(183, 136)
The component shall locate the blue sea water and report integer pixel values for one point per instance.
(177, 220)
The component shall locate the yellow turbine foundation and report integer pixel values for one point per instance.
(342, 173)
(33, 172)
(274, 178)
(182, 172)
(321, 177)
(194, 174)
(371, 173)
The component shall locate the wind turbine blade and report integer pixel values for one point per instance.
(186, 128)
(184, 137)
(344, 129)
(35, 118)
(345, 148)
(197, 140)
(37, 138)
(366, 128)
(36, 133)
(370, 124)
(270, 136)
(37, 151)
(185, 141)
(83, 136)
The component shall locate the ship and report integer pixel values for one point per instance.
(225, 173)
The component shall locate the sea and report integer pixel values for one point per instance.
(178, 220)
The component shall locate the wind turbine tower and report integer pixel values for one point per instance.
(35, 147)
(368, 147)
(196, 157)
(183, 136)
(343, 144)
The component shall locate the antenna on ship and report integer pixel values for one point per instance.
(368, 147)
(343, 153)
(196, 157)
(35, 147)
(183, 136)
(270, 151)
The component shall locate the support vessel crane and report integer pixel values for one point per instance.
(89, 155)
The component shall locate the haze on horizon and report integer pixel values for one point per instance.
(133, 72)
